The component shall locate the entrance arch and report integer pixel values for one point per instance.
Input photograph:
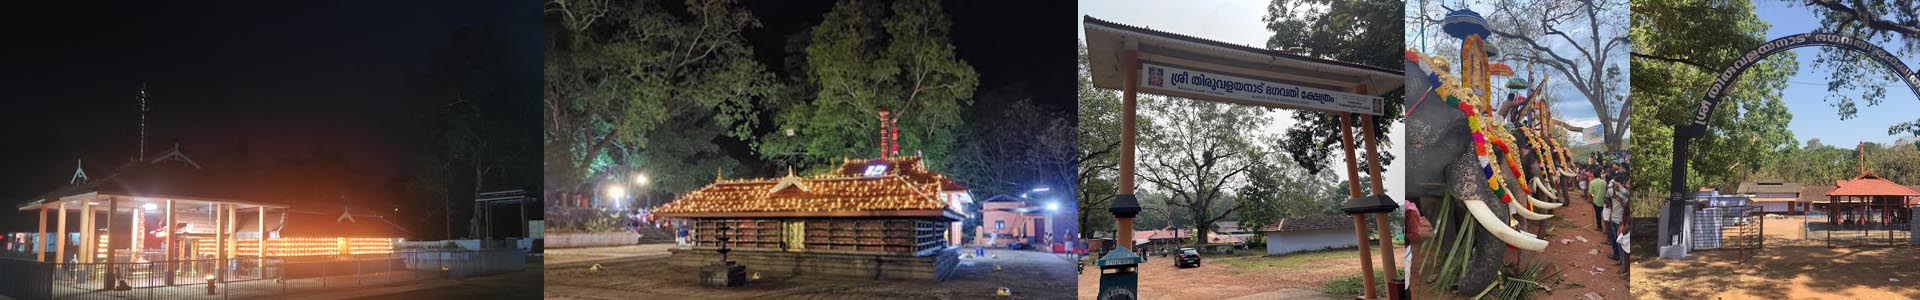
(1684, 134)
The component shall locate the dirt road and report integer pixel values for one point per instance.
(1577, 247)
(1232, 277)
(1787, 268)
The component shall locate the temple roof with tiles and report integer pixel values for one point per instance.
(888, 187)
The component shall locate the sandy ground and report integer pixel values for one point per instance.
(1292, 276)
(1584, 266)
(1786, 268)
(1029, 274)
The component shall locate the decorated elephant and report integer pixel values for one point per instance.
(1467, 170)
(1443, 163)
(1446, 166)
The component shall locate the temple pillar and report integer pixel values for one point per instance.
(1380, 219)
(60, 242)
(138, 234)
(219, 242)
(40, 241)
(260, 252)
(233, 231)
(113, 207)
(1359, 220)
(89, 237)
(169, 247)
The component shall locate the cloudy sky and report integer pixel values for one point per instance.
(1568, 104)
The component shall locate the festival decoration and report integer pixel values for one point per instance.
(1491, 140)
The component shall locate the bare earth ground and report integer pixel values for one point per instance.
(1029, 274)
(1584, 267)
(1786, 268)
(1292, 276)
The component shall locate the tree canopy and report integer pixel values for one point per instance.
(869, 56)
(1678, 48)
(618, 73)
(1852, 78)
(1359, 31)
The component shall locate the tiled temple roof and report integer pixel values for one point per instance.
(897, 187)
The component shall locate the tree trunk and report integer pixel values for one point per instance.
(1200, 220)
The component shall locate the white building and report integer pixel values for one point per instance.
(1308, 234)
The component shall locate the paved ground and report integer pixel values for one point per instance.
(1576, 246)
(1786, 268)
(591, 254)
(1292, 276)
(1030, 275)
(518, 285)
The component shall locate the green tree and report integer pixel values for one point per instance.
(869, 56)
(1678, 48)
(1197, 152)
(1277, 189)
(1359, 31)
(617, 73)
(1098, 144)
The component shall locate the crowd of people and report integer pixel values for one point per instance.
(1606, 180)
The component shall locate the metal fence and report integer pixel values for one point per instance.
(248, 277)
(1856, 233)
(1728, 227)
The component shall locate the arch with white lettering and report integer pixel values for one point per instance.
(1684, 134)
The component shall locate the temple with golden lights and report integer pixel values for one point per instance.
(886, 218)
(167, 209)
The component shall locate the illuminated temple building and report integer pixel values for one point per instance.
(168, 208)
(887, 218)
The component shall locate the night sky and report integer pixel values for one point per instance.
(1000, 39)
(1006, 42)
(286, 78)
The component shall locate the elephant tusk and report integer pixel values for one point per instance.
(1551, 193)
(1484, 215)
(1567, 173)
(1526, 213)
(1543, 204)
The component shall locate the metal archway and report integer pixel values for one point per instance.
(1683, 135)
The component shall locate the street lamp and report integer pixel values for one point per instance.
(1052, 208)
(615, 191)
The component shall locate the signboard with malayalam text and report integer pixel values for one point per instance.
(1229, 88)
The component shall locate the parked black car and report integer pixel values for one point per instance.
(1188, 258)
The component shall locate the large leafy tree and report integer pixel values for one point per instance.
(1197, 152)
(1678, 48)
(477, 131)
(869, 56)
(1277, 189)
(1023, 149)
(619, 75)
(1098, 146)
(1359, 31)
